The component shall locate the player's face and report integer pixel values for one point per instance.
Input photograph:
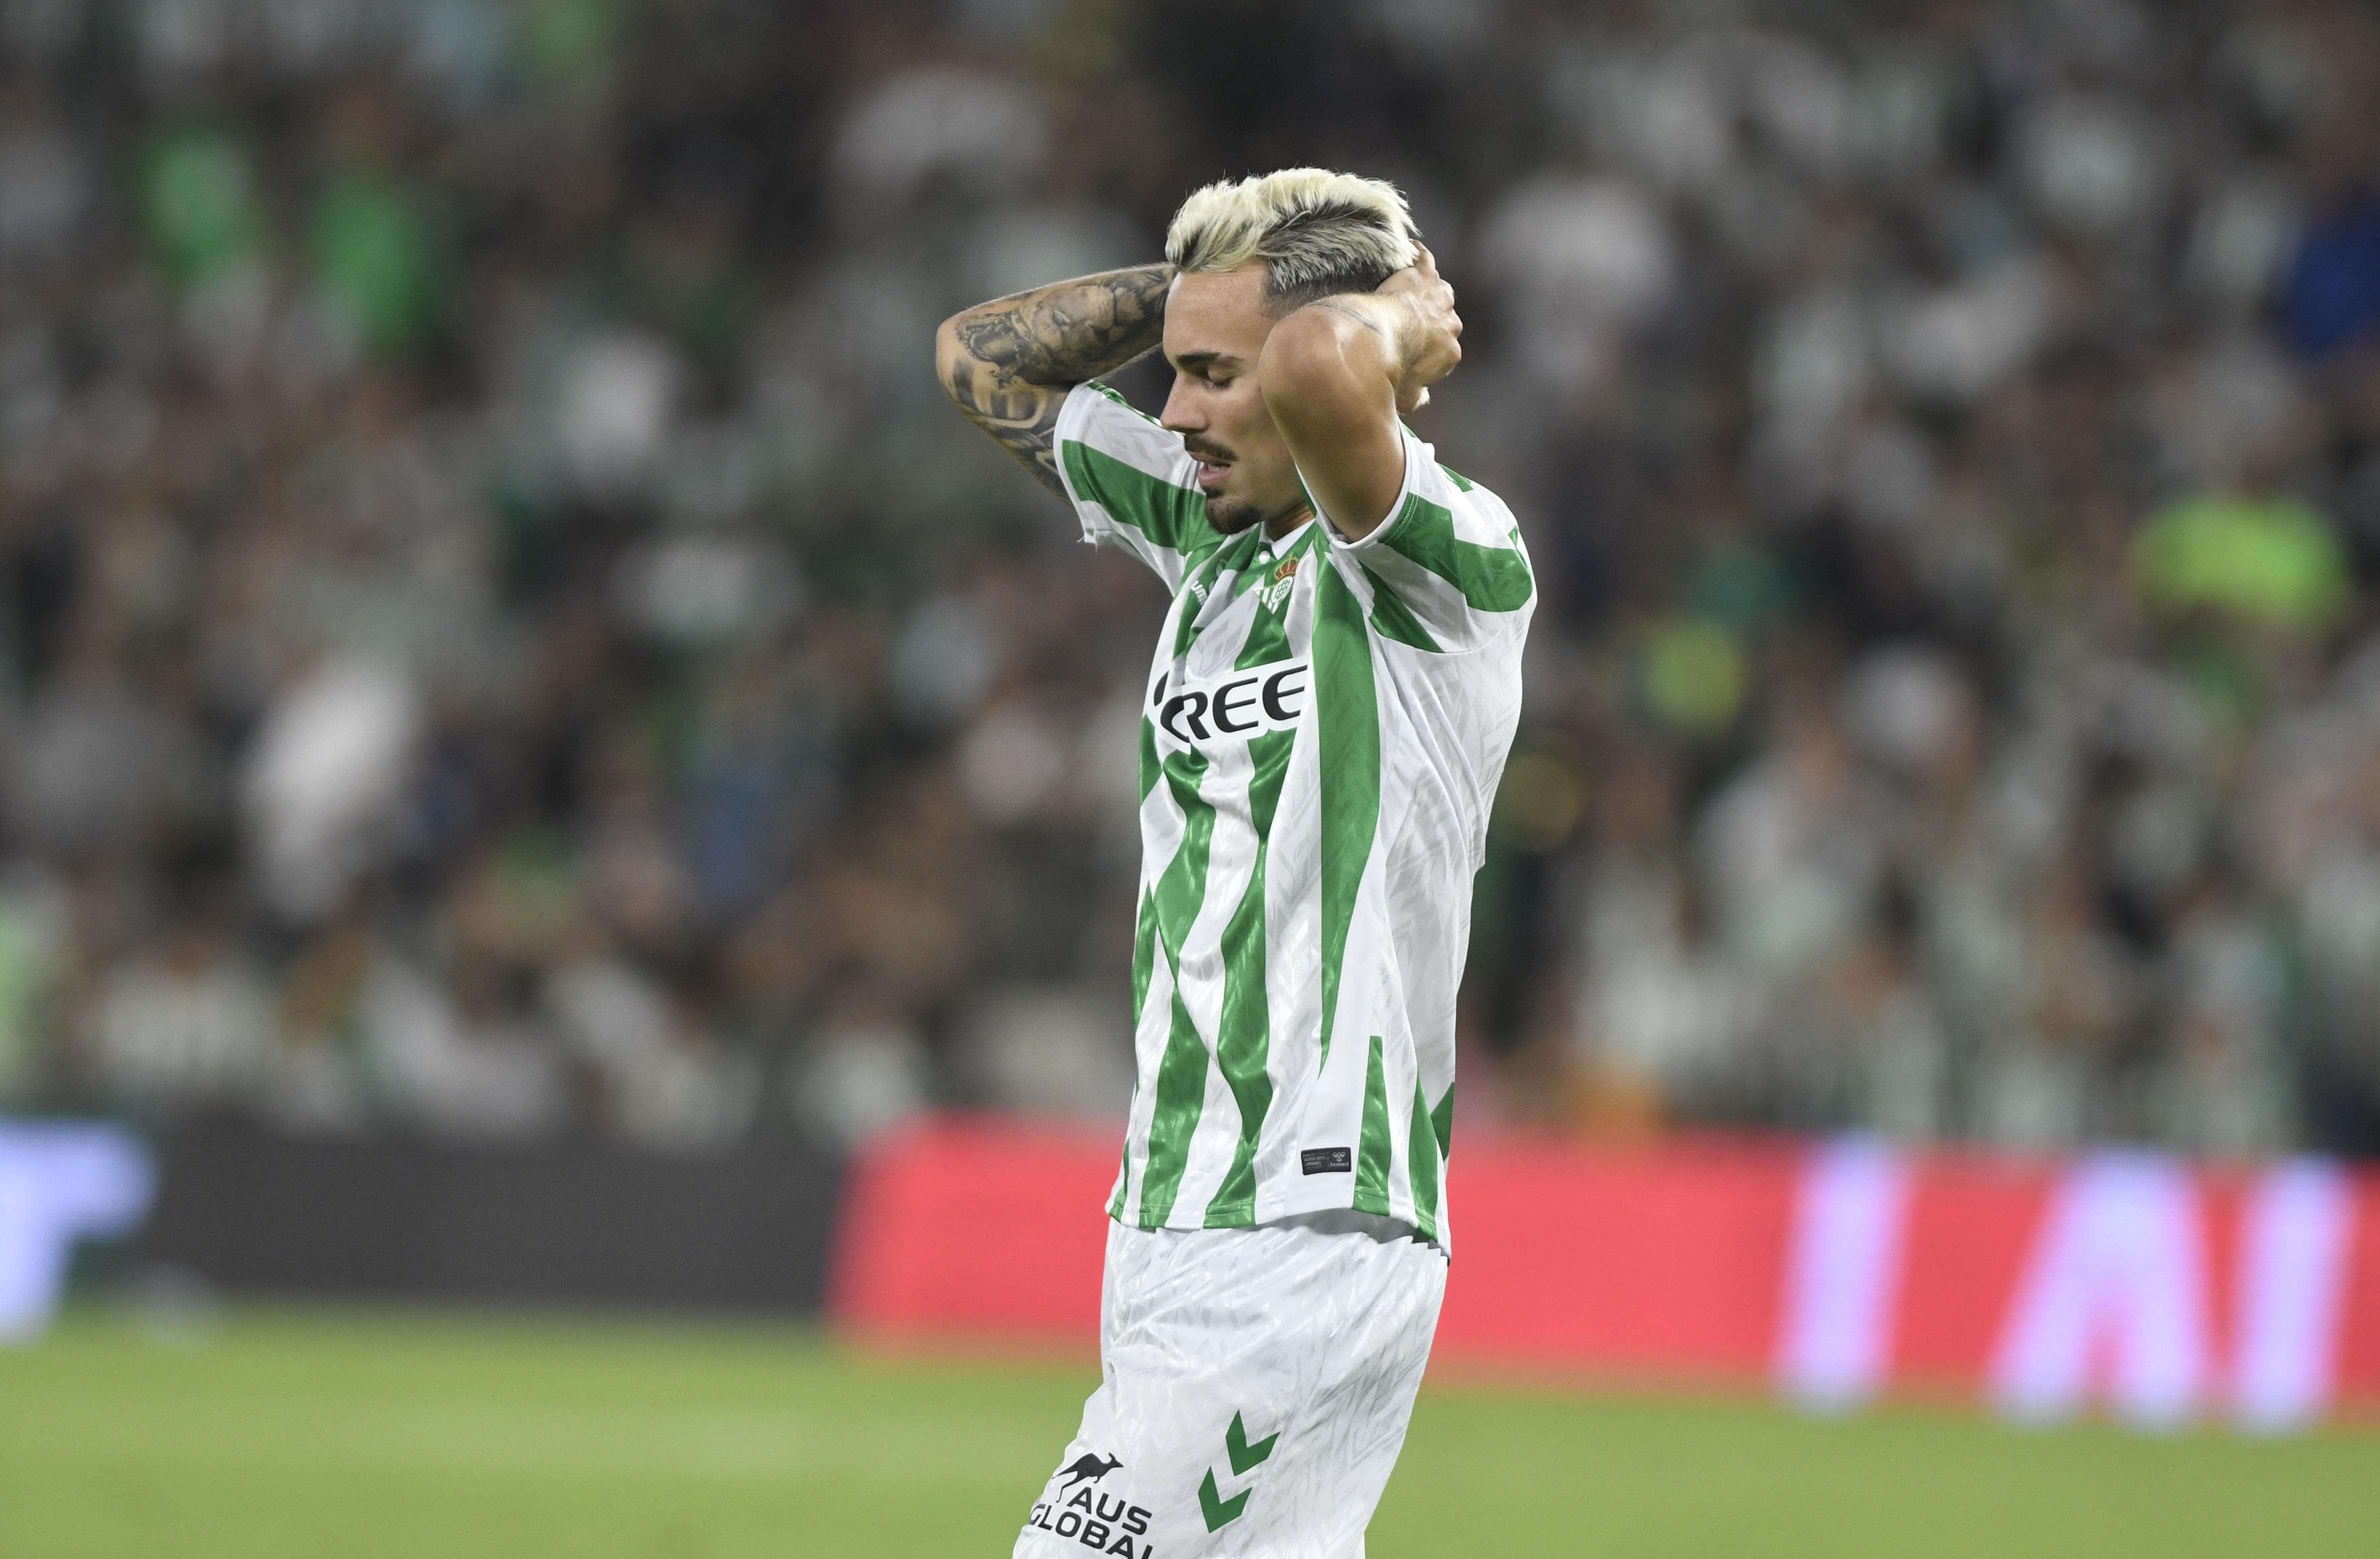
(1215, 329)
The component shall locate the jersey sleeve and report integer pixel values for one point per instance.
(1132, 483)
(1448, 569)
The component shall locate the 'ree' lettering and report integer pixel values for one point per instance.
(1246, 693)
(1237, 705)
(1290, 678)
(1186, 707)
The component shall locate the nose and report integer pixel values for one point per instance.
(1181, 414)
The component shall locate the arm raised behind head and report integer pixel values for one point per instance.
(1336, 374)
(1009, 363)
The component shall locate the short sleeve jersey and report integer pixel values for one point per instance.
(1325, 725)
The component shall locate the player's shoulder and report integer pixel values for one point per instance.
(1448, 571)
(1131, 482)
(1434, 481)
(1442, 505)
(1097, 422)
(1114, 396)
(1095, 407)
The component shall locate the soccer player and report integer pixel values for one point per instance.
(1332, 698)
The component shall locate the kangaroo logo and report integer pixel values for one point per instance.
(1107, 1524)
(1090, 1467)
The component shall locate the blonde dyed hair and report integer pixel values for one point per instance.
(1317, 232)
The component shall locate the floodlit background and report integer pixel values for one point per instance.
(503, 643)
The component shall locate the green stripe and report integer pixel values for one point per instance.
(1491, 578)
(1347, 720)
(1182, 1073)
(1372, 1154)
(1144, 966)
(1442, 1119)
(1144, 957)
(1181, 1099)
(1167, 514)
(1421, 1165)
(1244, 1042)
(1124, 1180)
(1395, 620)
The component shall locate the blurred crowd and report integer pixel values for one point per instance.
(501, 636)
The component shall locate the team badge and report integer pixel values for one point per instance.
(1277, 590)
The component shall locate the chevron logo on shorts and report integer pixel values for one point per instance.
(1220, 1511)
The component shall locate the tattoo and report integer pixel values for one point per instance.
(1010, 362)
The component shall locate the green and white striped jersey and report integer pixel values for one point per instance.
(1324, 726)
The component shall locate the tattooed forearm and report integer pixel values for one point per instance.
(1058, 336)
(1022, 420)
(1010, 362)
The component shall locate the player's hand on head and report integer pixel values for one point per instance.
(1435, 345)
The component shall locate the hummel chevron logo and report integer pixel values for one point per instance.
(1245, 1455)
(1220, 1511)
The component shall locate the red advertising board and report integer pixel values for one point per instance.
(1834, 1271)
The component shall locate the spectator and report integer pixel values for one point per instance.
(187, 1028)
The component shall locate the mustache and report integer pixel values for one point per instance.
(1206, 451)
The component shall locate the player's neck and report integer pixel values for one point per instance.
(1280, 524)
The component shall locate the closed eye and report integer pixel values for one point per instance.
(1207, 368)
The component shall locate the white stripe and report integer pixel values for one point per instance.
(1396, 1073)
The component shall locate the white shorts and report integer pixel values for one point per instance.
(1255, 1385)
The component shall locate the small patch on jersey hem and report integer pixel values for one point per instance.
(1328, 1161)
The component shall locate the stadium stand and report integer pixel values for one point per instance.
(503, 641)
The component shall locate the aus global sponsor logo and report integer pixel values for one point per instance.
(1080, 1510)
(1234, 707)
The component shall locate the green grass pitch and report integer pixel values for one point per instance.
(276, 1435)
